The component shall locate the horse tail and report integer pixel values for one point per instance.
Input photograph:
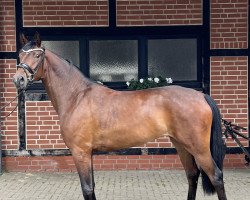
(217, 146)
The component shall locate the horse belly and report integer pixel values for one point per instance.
(130, 135)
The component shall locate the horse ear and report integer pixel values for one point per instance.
(37, 39)
(23, 39)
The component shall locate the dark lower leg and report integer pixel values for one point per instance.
(214, 173)
(192, 184)
(219, 184)
(83, 161)
(190, 167)
(87, 188)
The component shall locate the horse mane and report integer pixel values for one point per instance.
(71, 65)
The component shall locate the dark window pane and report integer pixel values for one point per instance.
(113, 60)
(175, 58)
(66, 49)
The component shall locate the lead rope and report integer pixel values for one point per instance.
(2, 108)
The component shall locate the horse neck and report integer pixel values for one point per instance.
(62, 82)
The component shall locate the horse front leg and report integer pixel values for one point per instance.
(83, 162)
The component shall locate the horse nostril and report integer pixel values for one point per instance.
(21, 80)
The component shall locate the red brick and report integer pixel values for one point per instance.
(61, 163)
(7, 92)
(158, 13)
(228, 93)
(62, 13)
(225, 22)
(7, 32)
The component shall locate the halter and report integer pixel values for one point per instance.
(26, 67)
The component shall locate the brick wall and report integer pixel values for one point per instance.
(9, 129)
(107, 162)
(42, 126)
(159, 12)
(7, 26)
(229, 87)
(65, 13)
(229, 24)
(229, 81)
(162, 142)
(100, 162)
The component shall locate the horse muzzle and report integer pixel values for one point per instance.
(20, 81)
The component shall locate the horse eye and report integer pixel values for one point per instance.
(37, 55)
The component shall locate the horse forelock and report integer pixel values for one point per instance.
(29, 45)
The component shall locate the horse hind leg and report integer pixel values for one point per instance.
(214, 182)
(191, 169)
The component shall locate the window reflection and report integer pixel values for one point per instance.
(175, 58)
(66, 49)
(113, 60)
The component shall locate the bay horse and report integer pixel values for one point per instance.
(96, 118)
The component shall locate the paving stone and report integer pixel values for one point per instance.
(116, 185)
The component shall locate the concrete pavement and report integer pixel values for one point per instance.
(116, 185)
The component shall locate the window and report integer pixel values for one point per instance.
(65, 49)
(175, 58)
(113, 60)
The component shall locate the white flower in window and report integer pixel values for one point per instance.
(150, 79)
(156, 80)
(169, 80)
(128, 83)
(141, 80)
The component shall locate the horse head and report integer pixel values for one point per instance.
(31, 62)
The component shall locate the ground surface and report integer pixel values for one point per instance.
(116, 185)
